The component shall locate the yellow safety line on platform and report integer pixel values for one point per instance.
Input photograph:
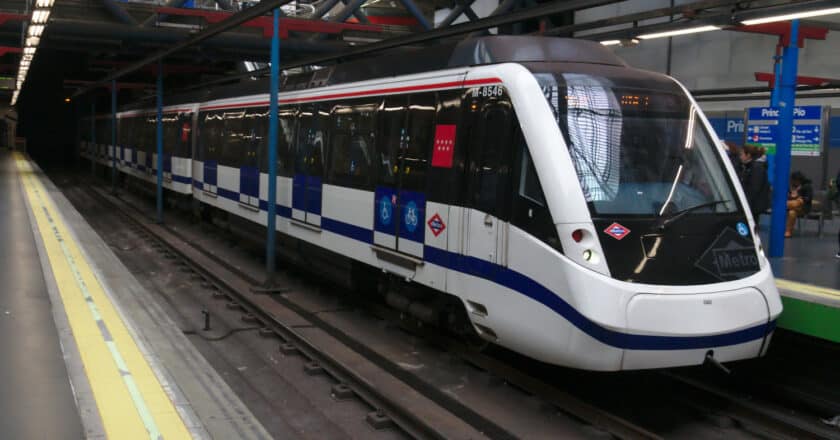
(131, 401)
(808, 289)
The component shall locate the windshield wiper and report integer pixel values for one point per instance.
(665, 221)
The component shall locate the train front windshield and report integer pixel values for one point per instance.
(646, 162)
(637, 151)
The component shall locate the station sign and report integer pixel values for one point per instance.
(763, 130)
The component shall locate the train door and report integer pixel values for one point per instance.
(406, 132)
(253, 128)
(309, 165)
(488, 159)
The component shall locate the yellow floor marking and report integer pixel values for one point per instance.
(130, 399)
(809, 289)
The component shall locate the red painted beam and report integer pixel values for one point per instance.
(6, 49)
(782, 29)
(286, 24)
(5, 16)
(800, 80)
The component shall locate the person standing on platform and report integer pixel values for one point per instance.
(753, 176)
(799, 200)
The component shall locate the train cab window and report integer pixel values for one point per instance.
(310, 152)
(490, 156)
(390, 136)
(530, 211)
(351, 144)
(287, 125)
(418, 145)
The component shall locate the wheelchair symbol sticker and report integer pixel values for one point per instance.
(410, 216)
(386, 210)
(742, 228)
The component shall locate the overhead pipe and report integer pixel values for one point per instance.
(456, 12)
(347, 11)
(160, 17)
(323, 8)
(361, 16)
(225, 5)
(117, 11)
(417, 13)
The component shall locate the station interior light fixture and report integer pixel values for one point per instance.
(34, 29)
(675, 32)
(792, 16)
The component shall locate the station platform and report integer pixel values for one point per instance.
(86, 350)
(808, 278)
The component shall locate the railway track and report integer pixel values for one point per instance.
(420, 418)
(398, 397)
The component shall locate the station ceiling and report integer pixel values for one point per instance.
(85, 40)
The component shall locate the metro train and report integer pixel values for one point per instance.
(569, 207)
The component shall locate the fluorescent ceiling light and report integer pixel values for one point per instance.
(44, 3)
(611, 42)
(29, 51)
(32, 41)
(35, 30)
(792, 16)
(40, 16)
(676, 32)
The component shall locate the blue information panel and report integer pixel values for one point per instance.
(807, 129)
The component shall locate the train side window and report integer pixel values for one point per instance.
(287, 125)
(233, 138)
(210, 135)
(351, 145)
(418, 145)
(309, 155)
(530, 211)
(390, 136)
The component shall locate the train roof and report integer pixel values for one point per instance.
(468, 52)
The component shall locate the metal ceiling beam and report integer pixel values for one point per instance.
(235, 20)
(555, 7)
(97, 32)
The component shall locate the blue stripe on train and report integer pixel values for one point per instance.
(532, 289)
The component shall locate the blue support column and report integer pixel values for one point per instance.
(94, 150)
(159, 125)
(272, 149)
(774, 102)
(787, 98)
(114, 136)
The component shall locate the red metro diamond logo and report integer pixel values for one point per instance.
(616, 231)
(436, 224)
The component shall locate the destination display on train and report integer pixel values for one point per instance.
(762, 129)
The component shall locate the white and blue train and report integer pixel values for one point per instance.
(571, 208)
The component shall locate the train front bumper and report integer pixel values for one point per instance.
(675, 330)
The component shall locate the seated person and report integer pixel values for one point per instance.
(799, 200)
